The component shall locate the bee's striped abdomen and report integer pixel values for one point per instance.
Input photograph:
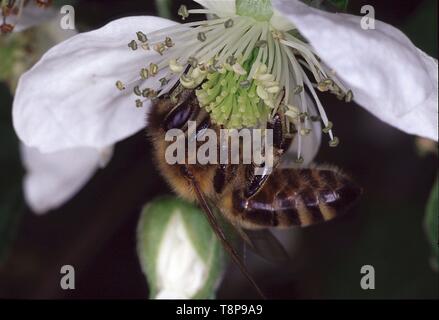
(297, 197)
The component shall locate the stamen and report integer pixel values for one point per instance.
(153, 69)
(120, 85)
(168, 42)
(160, 48)
(299, 160)
(243, 71)
(137, 91)
(201, 36)
(141, 37)
(228, 23)
(144, 73)
(334, 142)
(163, 81)
(133, 45)
(328, 127)
(297, 89)
(349, 96)
(183, 12)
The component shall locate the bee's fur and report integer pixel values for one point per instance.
(287, 197)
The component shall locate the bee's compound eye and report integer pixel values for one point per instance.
(178, 117)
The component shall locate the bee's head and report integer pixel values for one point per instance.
(172, 112)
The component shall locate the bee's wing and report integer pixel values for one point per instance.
(220, 233)
(264, 243)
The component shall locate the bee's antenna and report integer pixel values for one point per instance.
(220, 233)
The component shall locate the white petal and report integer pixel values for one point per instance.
(54, 178)
(383, 68)
(181, 272)
(223, 8)
(32, 15)
(69, 99)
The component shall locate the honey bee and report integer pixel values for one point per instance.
(281, 198)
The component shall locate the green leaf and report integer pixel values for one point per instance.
(432, 224)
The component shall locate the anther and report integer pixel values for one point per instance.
(168, 42)
(187, 81)
(261, 44)
(137, 91)
(303, 116)
(120, 85)
(183, 12)
(159, 48)
(144, 73)
(153, 69)
(164, 81)
(325, 85)
(146, 92)
(133, 45)
(328, 127)
(299, 160)
(298, 90)
(139, 103)
(305, 131)
(315, 118)
(231, 60)
(192, 61)
(349, 96)
(141, 36)
(245, 84)
(277, 35)
(334, 142)
(175, 66)
(228, 23)
(201, 36)
(6, 28)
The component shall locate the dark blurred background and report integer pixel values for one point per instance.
(96, 231)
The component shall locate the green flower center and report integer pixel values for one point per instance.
(260, 10)
(232, 99)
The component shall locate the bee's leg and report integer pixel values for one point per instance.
(223, 175)
(219, 179)
(281, 139)
(216, 227)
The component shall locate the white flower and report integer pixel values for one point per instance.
(54, 178)
(388, 75)
(51, 179)
(178, 251)
(251, 61)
